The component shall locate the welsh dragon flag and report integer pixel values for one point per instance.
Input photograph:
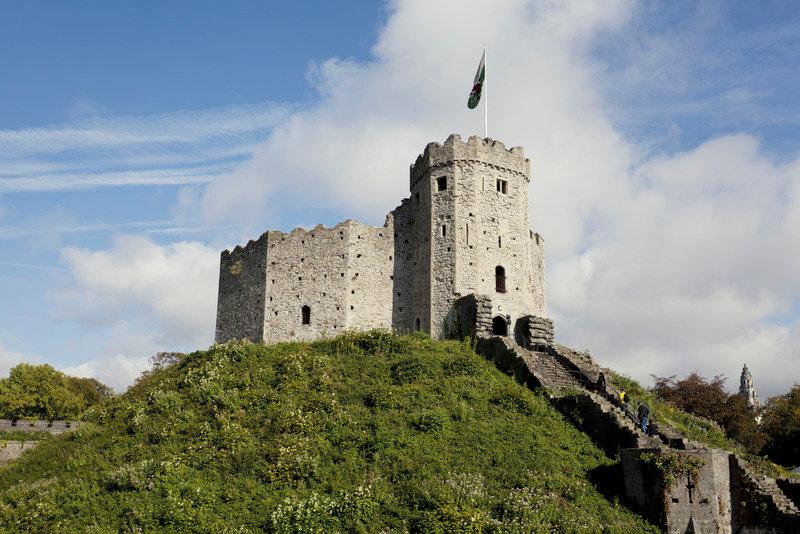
(477, 85)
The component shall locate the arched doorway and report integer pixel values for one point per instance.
(499, 326)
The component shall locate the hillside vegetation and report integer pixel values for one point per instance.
(696, 428)
(363, 433)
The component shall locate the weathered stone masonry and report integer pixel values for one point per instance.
(463, 230)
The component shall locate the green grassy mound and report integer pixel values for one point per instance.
(362, 433)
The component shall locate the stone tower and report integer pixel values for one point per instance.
(469, 223)
(464, 230)
(748, 390)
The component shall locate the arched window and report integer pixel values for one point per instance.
(306, 312)
(499, 326)
(500, 279)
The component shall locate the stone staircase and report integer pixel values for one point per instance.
(574, 385)
(764, 501)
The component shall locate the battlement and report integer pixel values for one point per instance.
(38, 425)
(476, 149)
(252, 244)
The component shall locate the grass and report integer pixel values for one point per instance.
(363, 433)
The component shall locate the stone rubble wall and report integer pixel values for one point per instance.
(701, 506)
(728, 496)
(760, 501)
(307, 268)
(472, 317)
(11, 450)
(242, 292)
(535, 331)
(791, 488)
(38, 425)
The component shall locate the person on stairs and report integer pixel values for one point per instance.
(644, 415)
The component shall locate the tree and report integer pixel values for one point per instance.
(709, 399)
(41, 392)
(781, 424)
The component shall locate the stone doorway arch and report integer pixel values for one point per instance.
(499, 326)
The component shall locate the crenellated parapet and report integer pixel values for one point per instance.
(37, 425)
(476, 150)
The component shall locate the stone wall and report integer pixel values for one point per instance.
(759, 501)
(472, 317)
(532, 331)
(11, 450)
(697, 502)
(307, 268)
(26, 425)
(790, 488)
(242, 290)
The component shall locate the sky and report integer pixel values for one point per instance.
(139, 139)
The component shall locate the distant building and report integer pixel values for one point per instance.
(748, 390)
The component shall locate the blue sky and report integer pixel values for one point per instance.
(139, 139)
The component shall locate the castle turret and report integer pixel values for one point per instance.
(469, 220)
(748, 390)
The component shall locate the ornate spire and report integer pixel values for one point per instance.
(748, 390)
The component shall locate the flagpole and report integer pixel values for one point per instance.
(485, 98)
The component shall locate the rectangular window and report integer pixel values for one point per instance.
(444, 230)
(441, 183)
(502, 187)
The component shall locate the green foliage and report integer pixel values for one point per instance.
(709, 399)
(672, 464)
(781, 424)
(41, 392)
(361, 433)
(693, 427)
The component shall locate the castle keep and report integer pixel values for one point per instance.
(464, 230)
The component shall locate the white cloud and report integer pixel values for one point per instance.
(659, 263)
(10, 358)
(117, 371)
(169, 291)
(177, 148)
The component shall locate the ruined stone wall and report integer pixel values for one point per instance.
(790, 488)
(11, 450)
(38, 425)
(307, 268)
(472, 317)
(406, 277)
(760, 501)
(242, 290)
(370, 276)
(702, 499)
